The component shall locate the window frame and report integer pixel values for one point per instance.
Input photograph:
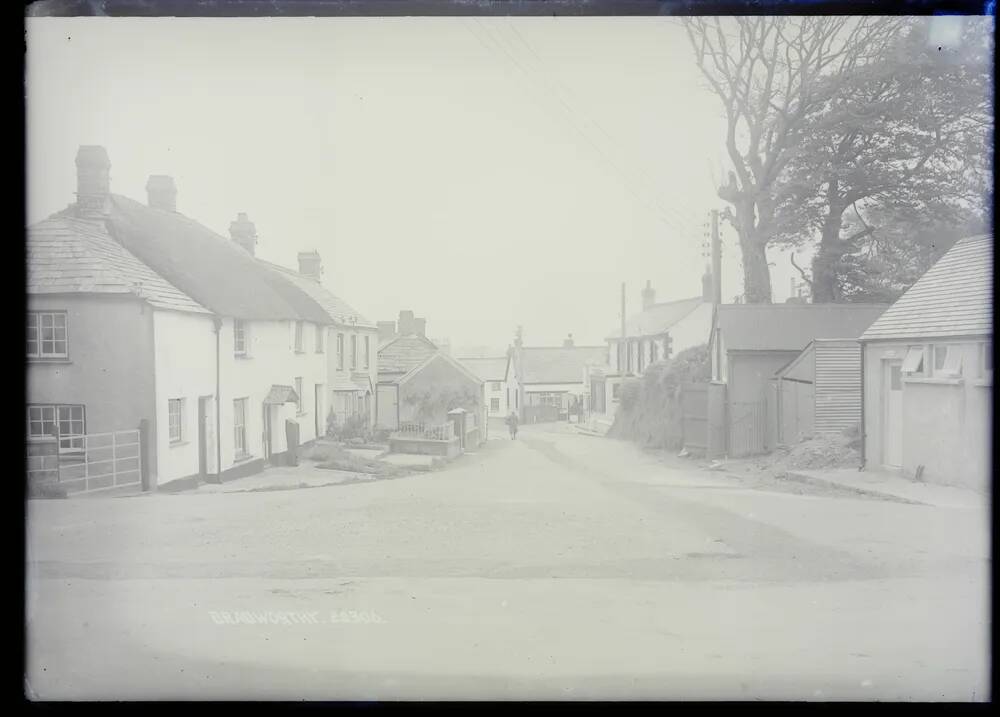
(494, 405)
(179, 403)
(299, 341)
(37, 339)
(320, 339)
(368, 352)
(915, 361)
(239, 337)
(340, 351)
(68, 442)
(953, 361)
(354, 352)
(496, 385)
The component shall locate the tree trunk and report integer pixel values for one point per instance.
(825, 277)
(756, 274)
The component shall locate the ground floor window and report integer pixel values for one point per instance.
(240, 427)
(63, 421)
(494, 405)
(175, 419)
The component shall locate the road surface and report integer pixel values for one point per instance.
(554, 566)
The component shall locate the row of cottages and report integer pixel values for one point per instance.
(499, 381)
(417, 383)
(764, 353)
(658, 332)
(141, 317)
(928, 373)
(549, 381)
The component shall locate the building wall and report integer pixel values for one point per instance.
(185, 369)
(334, 372)
(498, 393)
(838, 385)
(946, 424)
(110, 365)
(750, 373)
(437, 378)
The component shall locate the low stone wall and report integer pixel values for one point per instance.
(401, 443)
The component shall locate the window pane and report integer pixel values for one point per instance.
(914, 361)
(59, 320)
(32, 320)
(47, 321)
(940, 354)
(894, 376)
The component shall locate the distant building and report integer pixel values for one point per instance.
(928, 373)
(551, 380)
(499, 381)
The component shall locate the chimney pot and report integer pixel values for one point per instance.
(93, 181)
(648, 295)
(161, 192)
(243, 232)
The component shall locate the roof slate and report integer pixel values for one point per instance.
(401, 354)
(487, 369)
(562, 364)
(338, 310)
(70, 255)
(213, 270)
(790, 327)
(657, 319)
(954, 297)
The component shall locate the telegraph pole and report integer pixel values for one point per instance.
(716, 259)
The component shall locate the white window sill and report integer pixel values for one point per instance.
(175, 444)
(984, 382)
(242, 356)
(242, 459)
(299, 414)
(49, 359)
(939, 380)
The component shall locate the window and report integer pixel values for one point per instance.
(47, 334)
(494, 405)
(639, 355)
(367, 351)
(894, 379)
(320, 334)
(298, 394)
(496, 386)
(340, 351)
(986, 366)
(175, 419)
(239, 337)
(240, 427)
(298, 336)
(914, 361)
(354, 351)
(653, 346)
(951, 365)
(940, 356)
(65, 422)
(614, 390)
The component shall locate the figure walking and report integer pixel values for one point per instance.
(512, 425)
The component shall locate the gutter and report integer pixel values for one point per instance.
(217, 321)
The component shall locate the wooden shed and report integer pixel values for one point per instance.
(819, 391)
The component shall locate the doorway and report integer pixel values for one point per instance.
(892, 414)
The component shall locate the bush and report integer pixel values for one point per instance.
(355, 427)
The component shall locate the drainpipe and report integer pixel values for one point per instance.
(864, 447)
(218, 400)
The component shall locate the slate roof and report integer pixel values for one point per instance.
(338, 310)
(790, 327)
(212, 270)
(657, 319)
(954, 297)
(563, 364)
(70, 255)
(487, 369)
(401, 354)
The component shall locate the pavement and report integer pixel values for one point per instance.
(887, 485)
(555, 566)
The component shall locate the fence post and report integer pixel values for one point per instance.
(144, 452)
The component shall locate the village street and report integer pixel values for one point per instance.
(555, 566)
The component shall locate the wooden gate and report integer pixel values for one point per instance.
(694, 417)
(747, 428)
(108, 460)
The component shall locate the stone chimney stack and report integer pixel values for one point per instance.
(405, 323)
(568, 342)
(707, 286)
(310, 265)
(420, 327)
(93, 182)
(386, 330)
(161, 192)
(648, 296)
(243, 232)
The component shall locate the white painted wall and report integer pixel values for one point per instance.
(334, 371)
(184, 350)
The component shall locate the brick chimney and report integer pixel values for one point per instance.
(386, 330)
(310, 265)
(161, 192)
(93, 182)
(568, 342)
(244, 232)
(405, 324)
(420, 327)
(648, 296)
(707, 286)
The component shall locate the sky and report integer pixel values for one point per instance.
(484, 173)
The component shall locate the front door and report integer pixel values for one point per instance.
(892, 396)
(203, 436)
(267, 431)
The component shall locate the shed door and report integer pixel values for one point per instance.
(892, 397)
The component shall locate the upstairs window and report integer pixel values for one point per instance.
(340, 351)
(239, 337)
(298, 336)
(354, 351)
(913, 364)
(175, 419)
(320, 335)
(368, 355)
(47, 334)
(948, 361)
(496, 386)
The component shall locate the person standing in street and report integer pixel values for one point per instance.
(512, 425)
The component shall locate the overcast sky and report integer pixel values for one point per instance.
(482, 172)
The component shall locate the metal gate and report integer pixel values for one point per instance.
(747, 428)
(106, 461)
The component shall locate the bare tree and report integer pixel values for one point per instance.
(771, 74)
